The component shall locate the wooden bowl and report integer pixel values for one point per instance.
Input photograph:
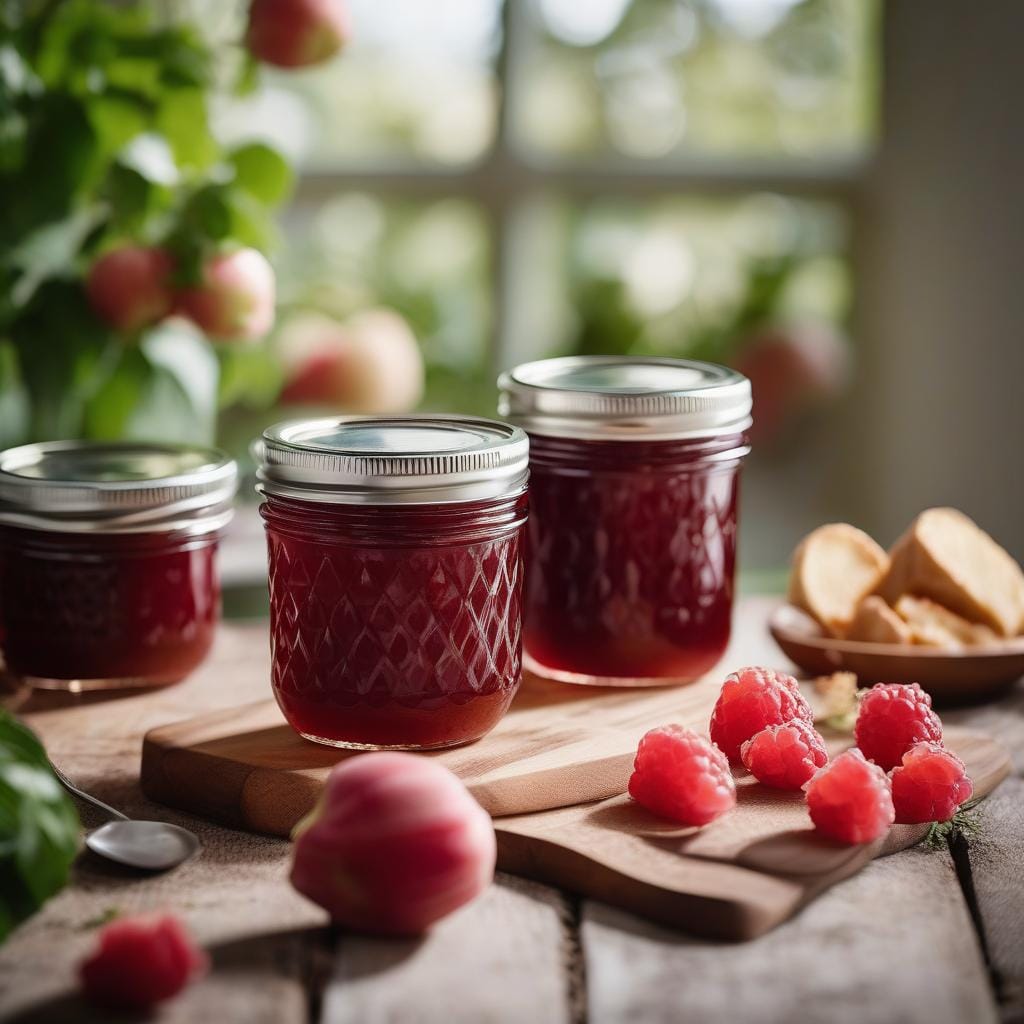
(973, 674)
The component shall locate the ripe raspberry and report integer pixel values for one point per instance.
(140, 962)
(784, 756)
(751, 700)
(681, 775)
(850, 799)
(892, 718)
(929, 785)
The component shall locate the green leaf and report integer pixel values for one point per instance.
(150, 155)
(108, 411)
(39, 828)
(250, 375)
(179, 351)
(60, 164)
(51, 251)
(14, 400)
(182, 119)
(262, 172)
(164, 389)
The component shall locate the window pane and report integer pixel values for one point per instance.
(680, 276)
(654, 78)
(427, 261)
(416, 83)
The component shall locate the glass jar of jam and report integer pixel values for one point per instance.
(396, 573)
(632, 538)
(107, 561)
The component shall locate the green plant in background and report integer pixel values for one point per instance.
(39, 827)
(130, 247)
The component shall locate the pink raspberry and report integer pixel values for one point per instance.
(141, 961)
(929, 785)
(751, 700)
(850, 799)
(784, 756)
(681, 775)
(891, 719)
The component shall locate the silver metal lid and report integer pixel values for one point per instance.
(124, 487)
(393, 460)
(625, 398)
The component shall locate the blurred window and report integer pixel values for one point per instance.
(542, 176)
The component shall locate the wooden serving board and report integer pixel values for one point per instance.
(559, 745)
(734, 879)
(553, 775)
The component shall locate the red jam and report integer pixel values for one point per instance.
(121, 607)
(632, 553)
(634, 474)
(396, 569)
(395, 625)
(108, 575)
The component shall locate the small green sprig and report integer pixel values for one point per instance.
(965, 824)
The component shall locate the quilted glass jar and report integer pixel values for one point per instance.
(632, 538)
(396, 573)
(107, 561)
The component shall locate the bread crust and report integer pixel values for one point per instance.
(945, 556)
(834, 568)
(876, 623)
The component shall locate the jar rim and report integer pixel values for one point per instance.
(115, 487)
(412, 459)
(626, 397)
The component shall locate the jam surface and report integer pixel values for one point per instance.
(632, 550)
(132, 607)
(395, 626)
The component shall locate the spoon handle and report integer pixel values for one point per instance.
(72, 788)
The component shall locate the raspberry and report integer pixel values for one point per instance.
(929, 785)
(850, 799)
(681, 775)
(140, 962)
(751, 700)
(892, 718)
(784, 756)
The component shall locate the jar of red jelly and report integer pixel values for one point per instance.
(396, 573)
(632, 538)
(107, 561)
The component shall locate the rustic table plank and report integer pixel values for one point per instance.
(1003, 719)
(502, 959)
(894, 943)
(996, 863)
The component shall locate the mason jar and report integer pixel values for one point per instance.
(634, 468)
(108, 576)
(396, 575)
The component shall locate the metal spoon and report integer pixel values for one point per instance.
(151, 845)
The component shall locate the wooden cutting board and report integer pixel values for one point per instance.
(553, 774)
(736, 878)
(558, 745)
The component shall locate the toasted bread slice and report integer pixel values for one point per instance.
(834, 568)
(945, 556)
(876, 623)
(934, 626)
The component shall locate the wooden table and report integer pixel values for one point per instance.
(930, 936)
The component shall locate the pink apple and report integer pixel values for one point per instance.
(297, 33)
(370, 363)
(130, 287)
(235, 298)
(395, 844)
(791, 367)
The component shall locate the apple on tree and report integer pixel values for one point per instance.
(234, 299)
(130, 287)
(297, 33)
(370, 363)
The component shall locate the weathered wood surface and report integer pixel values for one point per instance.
(275, 961)
(893, 943)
